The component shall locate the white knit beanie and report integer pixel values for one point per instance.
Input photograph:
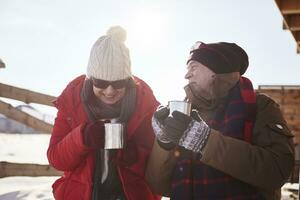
(109, 57)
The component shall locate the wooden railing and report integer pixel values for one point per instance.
(26, 169)
(26, 96)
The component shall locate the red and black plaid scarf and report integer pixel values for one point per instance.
(193, 179)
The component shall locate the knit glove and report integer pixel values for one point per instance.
(188, 132)
(93, 135)
(158, 119)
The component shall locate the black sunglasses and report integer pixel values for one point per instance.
(102, 84)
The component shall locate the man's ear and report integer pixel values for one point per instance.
(224, 82)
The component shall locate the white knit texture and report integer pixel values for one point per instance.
(195, 137)
(159, 132)
(109, 57)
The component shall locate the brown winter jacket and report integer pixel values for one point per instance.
(266, 164)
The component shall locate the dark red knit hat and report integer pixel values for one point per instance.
(222, 57)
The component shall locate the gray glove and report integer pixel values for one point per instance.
(195, 137)
(193, 131)
(158, 123)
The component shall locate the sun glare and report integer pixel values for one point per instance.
(147, 29)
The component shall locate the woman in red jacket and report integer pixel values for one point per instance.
(107, 91)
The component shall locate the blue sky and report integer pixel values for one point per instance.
(45, 44)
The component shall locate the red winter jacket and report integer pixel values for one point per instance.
(66, 151)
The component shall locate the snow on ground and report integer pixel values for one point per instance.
(25, 148)
(31, 148)
(26, 188)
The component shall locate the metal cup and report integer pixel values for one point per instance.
(114, 136)
(181, 106)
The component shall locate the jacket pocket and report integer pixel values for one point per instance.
(270, 133)
(75, 190)
(59, 187)
(66, 188)
(280, 128)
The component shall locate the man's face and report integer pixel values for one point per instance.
(109, 95)
(200, 78)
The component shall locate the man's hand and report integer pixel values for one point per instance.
(188, 132)
(176, 125)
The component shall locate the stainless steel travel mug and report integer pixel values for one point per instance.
(114, 136)
(181, 106)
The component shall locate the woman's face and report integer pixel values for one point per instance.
(200, 78)
(109, 95)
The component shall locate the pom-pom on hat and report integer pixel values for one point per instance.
(222, 57)
(109, 58)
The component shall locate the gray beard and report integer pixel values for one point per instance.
(194, 96)
(211, 97)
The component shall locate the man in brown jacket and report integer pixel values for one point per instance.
(235, 144)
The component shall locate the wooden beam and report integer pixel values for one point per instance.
(2, 64)
(20, 169)
(294, 88)
(20, 116)
(24, 95)
(284, 26)
(297, 36)
(289, 7)
(293, 22)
